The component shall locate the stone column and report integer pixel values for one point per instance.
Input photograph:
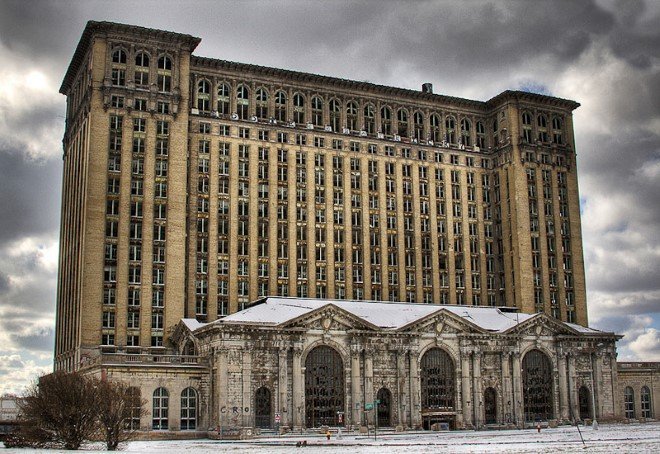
(616, 405)
(247, 419)
(401, 394)
(369, 379)
(355, 384)
(563, 387)
(518, 408)
(572, 391)
(477, 398)
(466, 389)
(507, 395)
(297, 378)
(598, 384)
(222, 386)
(415, 410)
(283, 382)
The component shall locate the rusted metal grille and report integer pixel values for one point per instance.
(262, 408)
(537, 386)
(384, 407)
(324, 387)
(490, 405)
(438, 380)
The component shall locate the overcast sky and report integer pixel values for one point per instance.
(603, 54)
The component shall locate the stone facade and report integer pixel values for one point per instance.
(638, 391)
(490, 380)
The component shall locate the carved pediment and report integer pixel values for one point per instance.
(330, 318)
(441, 322)
(539, 326)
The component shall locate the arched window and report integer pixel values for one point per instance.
(204, 95)
(490, 405)
(160, 409)
(262, 408)
(370, 119)
(496, 137)
(298, 108)
(135, 407)
(450, 129)
(437, 381)
(481, 135)
(645, 395)
(165, 63)
(537, 386)
(418, 126)
(242, 102)
(189, 348)
(527, 127)
(557, 131)
(386, 120)
(324, 386)
(629, 402)
(384, 398)
(402, 122)
(262, 104)
(335, 114)
(118, 71)
(434, 122)
(352, 116)
(280, 106)
(317, 111)
(584, 402)
(119, 56)
(164, 73)
(142, 70)
(542, 124)
(223, 99)
(188, 409)
(466, 132)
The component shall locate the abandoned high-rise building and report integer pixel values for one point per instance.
(194, 187)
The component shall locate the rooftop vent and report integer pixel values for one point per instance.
(427, 88)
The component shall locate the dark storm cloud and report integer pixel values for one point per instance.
(4, 283)
(40, 340)
(30, 202)
(36, 27)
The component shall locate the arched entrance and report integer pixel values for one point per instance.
(584, 401)
(324, 386)
(438, 388)
(537, 386)
(384, 396)
(262, 406)
(490, 405)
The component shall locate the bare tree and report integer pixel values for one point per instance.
(61, 409)
(119, 412)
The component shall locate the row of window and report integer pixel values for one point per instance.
(645, 401)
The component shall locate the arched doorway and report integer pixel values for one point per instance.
(384, 397)
(584, 401)
(490, 405)
(537, 386)
(324, 386)
(262, 408)
(438, 388)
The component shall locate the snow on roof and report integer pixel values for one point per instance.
(583, 329)
(192, 324)
(274, 311)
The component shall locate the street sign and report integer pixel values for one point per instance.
(369, 406)
(278, 418)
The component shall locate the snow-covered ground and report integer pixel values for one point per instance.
(620, 438)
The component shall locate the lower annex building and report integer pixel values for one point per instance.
(194, 186)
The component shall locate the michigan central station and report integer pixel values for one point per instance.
(259, 248)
